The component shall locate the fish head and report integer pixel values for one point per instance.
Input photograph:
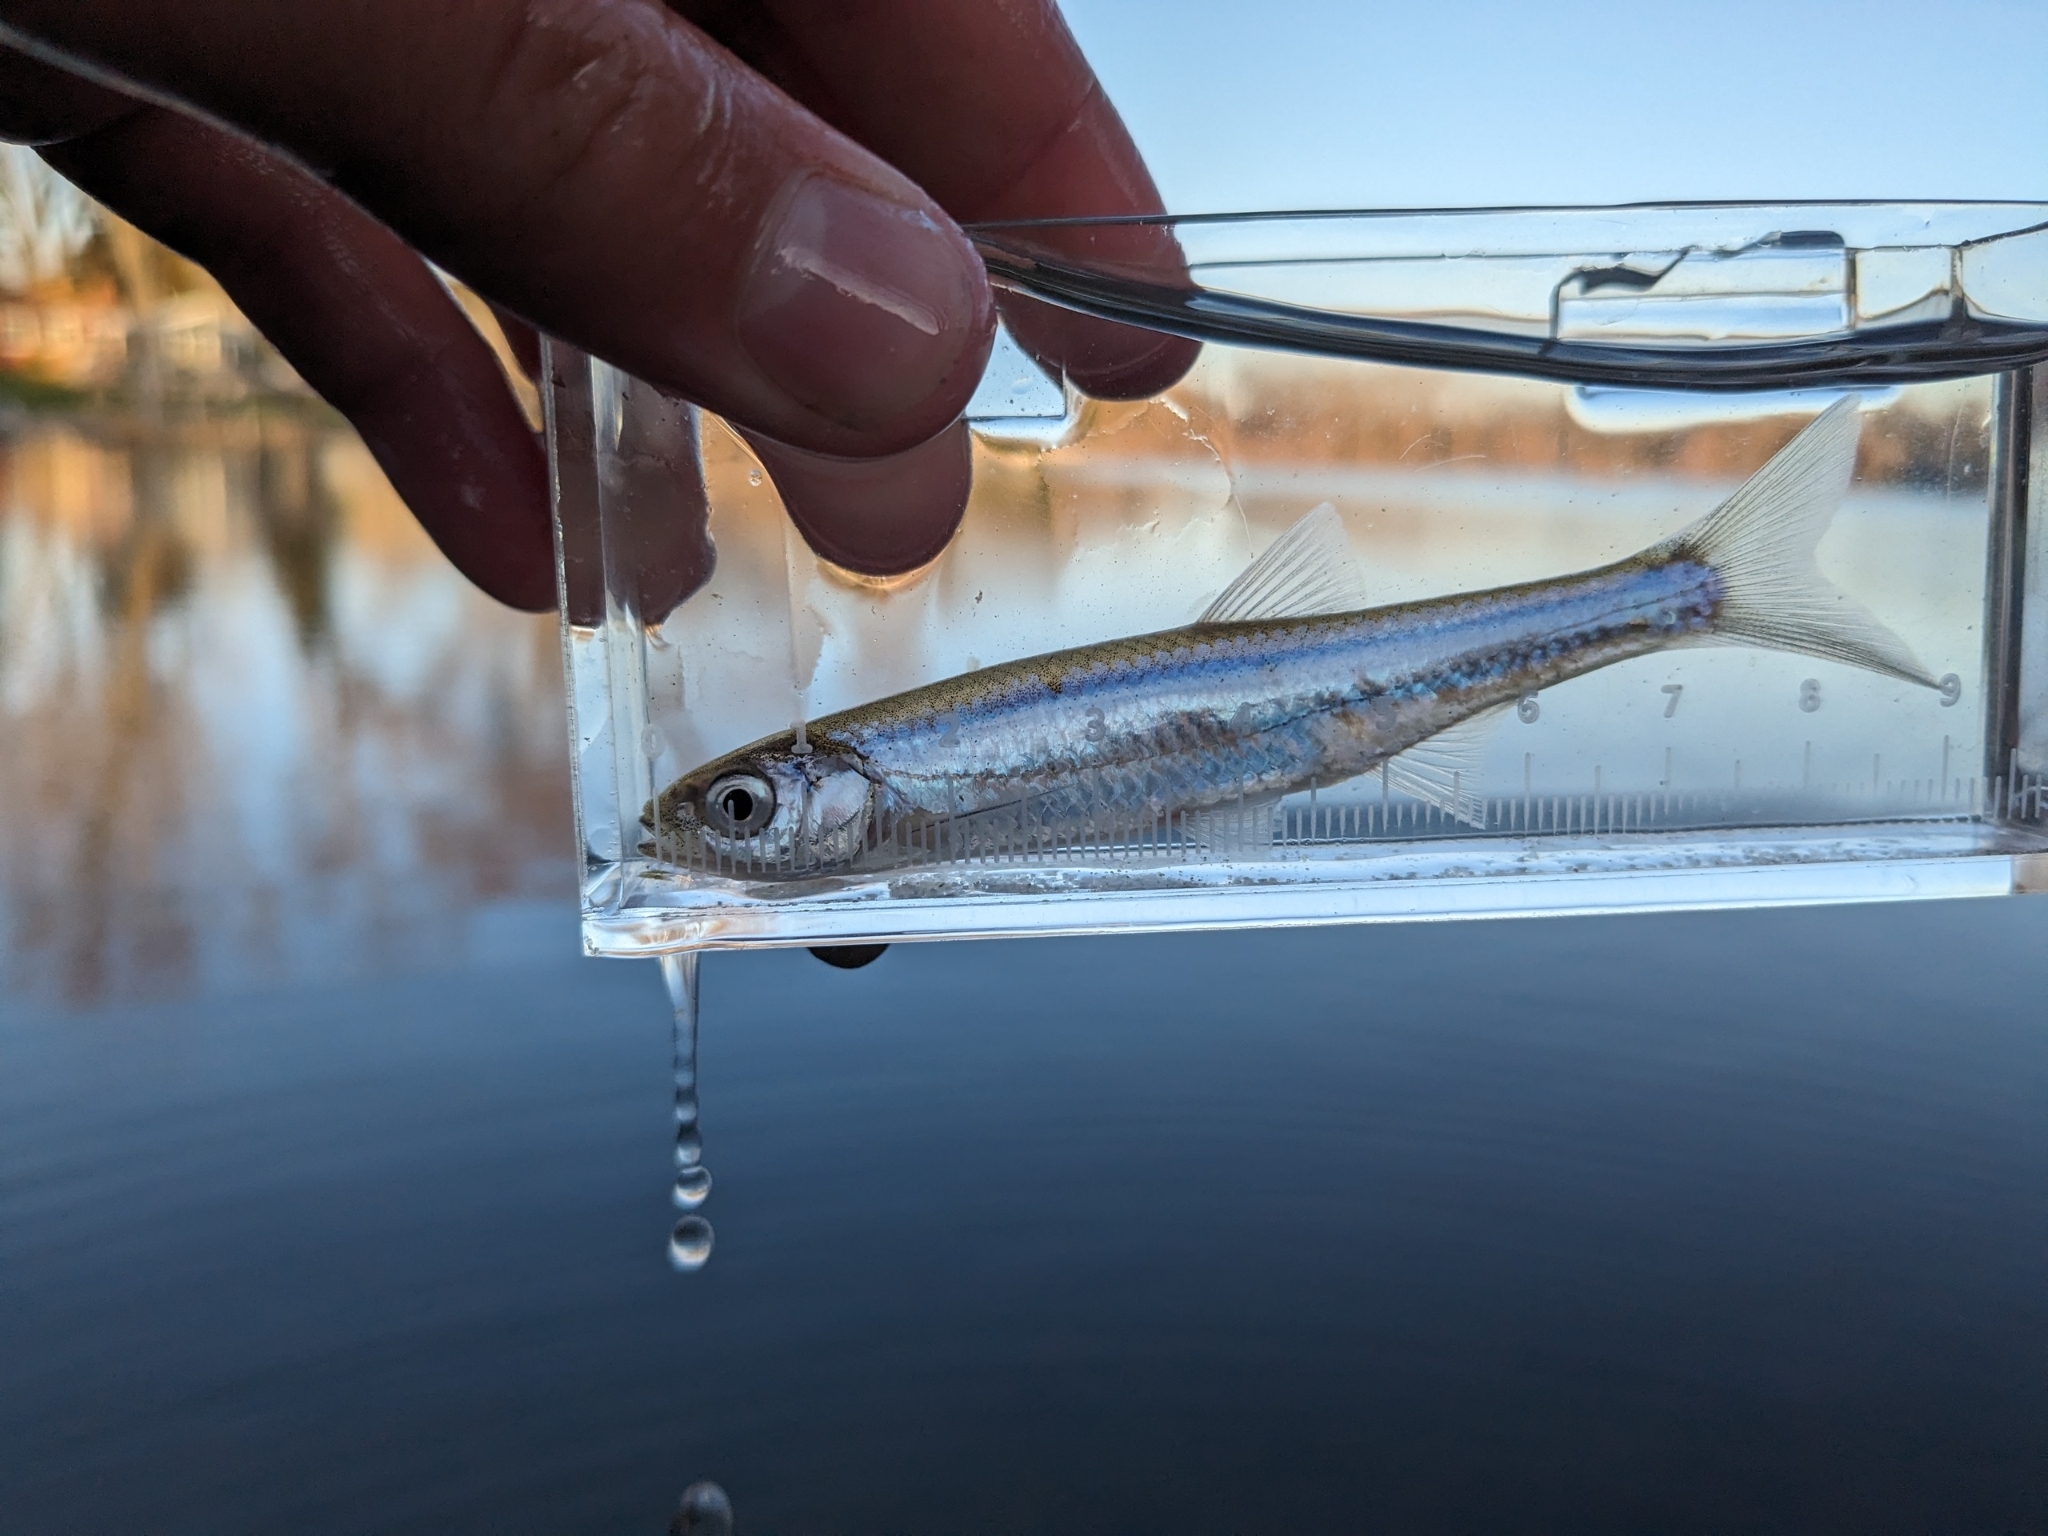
(775, 808)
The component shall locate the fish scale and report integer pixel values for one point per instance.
(1187, 728)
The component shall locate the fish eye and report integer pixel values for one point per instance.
(739, 804)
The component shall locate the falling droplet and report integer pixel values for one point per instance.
(692, 1185)
(753, 477)
(706, 1511)
(689, 1147)
(689, 1246)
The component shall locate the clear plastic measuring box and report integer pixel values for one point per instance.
(1387, 410)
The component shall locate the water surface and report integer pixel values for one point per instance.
(355, 1221)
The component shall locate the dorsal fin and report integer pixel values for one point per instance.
(1308, 570)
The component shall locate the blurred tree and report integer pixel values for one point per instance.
(45, 222)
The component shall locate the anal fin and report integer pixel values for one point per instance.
(1444, 770)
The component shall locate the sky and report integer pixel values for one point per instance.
(1445, 103)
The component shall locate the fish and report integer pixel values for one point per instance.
(1287, 681)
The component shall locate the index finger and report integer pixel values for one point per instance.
(607, 171)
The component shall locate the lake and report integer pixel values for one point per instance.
(334, 1183)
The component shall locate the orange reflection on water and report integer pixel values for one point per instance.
(256, 729)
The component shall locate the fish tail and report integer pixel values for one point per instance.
(1760, 544)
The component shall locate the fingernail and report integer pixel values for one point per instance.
(861, 308)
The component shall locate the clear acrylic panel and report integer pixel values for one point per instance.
(1040, 731)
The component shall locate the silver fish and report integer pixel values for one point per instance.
(1286, 681)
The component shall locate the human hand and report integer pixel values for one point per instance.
(748, 203)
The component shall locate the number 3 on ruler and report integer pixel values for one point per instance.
(1671, 693)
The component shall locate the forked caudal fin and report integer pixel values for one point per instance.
(1761, 542)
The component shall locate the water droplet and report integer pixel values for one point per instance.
(689, 1246)
(689, 1147)
(692, 1186)
(848, 957)
(652, 742)
(706, 1511)
(753, 477)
